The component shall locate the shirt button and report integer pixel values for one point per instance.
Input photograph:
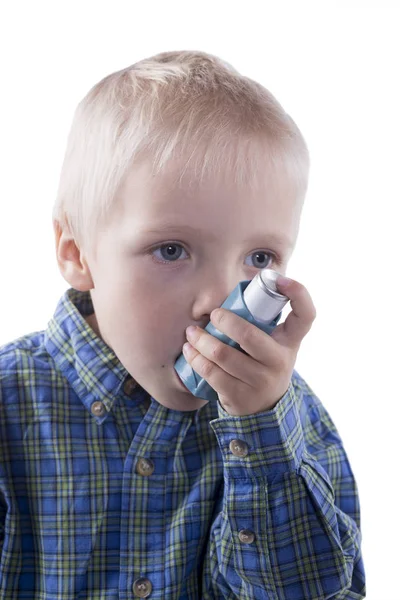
(246, 536)
(129, 386)
(144, 466)
(142, 587)
(97, 408)
(238, 448)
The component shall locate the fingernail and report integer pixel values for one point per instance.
(283, 281)
(190, 331)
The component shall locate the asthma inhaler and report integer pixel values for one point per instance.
(256, 300)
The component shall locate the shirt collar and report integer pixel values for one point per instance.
(92, 368)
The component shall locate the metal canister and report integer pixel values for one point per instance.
(262, 298)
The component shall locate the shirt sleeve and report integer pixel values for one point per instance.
(290, 520)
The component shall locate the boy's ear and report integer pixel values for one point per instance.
(70, 259)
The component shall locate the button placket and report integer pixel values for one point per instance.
(240, 448)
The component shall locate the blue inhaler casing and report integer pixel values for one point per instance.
(256, 300)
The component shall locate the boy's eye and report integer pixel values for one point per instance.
(172, 251)
(262, 259)
(169, 252)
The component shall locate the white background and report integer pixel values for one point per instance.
(335, 68)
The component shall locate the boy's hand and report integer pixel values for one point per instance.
(255, 383)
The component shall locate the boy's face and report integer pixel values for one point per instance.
(143, 306)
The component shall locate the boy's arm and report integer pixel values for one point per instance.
(290, 522)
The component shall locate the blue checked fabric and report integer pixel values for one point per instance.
(105, 494)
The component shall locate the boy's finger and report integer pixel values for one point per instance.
(298, 323)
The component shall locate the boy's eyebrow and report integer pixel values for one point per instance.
(280, 240)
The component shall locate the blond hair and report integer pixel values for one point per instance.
(186, 104)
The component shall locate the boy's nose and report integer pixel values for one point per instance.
(211, 297)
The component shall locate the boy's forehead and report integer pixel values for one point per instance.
(154, 204)
(176, 185)
(166, 183)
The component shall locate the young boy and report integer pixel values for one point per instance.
(181, 179)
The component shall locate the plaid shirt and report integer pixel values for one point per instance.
(107, 494)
